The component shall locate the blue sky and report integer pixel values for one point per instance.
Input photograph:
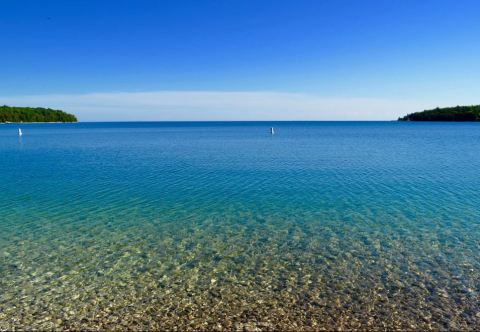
(232, 59)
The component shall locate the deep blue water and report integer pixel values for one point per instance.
(217, 224)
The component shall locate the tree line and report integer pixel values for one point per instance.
(34, 114)
(457, 113)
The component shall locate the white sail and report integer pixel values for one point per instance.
(20, 132)
(272, 131)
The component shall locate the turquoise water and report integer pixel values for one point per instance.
(222, 226)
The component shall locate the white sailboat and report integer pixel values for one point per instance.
(20, 132)
(272, 131)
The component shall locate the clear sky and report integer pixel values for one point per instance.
(239, 59)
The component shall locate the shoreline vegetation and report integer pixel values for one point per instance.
(452, 114)
(11, 114)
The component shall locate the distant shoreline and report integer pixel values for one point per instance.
(237, 121)
(446, 114)
(35, 122)
(240, 121)
(15, 114)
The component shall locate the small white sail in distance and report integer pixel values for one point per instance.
(20, 132)
(272, 131)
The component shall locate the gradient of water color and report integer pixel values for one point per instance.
(222, 226)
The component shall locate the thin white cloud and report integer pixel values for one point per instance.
(217, 105)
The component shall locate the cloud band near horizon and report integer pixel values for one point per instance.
(217, 105)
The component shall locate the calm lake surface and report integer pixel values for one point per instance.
(223, 226)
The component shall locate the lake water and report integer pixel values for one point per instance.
(223, 226)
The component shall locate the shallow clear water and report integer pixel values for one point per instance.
(220, 225)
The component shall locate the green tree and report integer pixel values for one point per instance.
(34, 114)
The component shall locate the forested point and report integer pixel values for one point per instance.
(34, 114)
(457, 113)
